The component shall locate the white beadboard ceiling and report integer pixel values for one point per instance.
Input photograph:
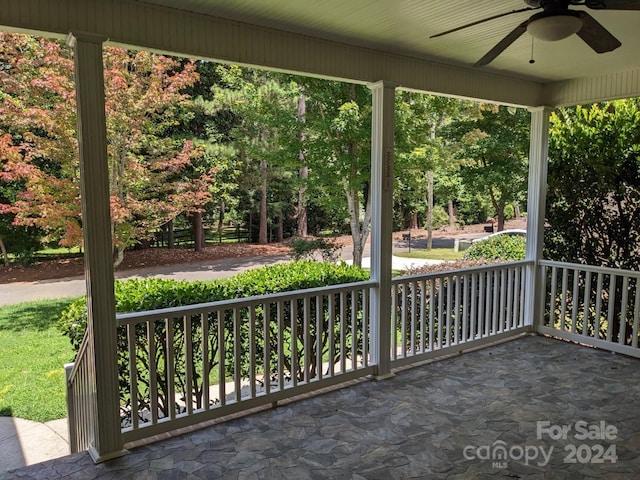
(404, 26)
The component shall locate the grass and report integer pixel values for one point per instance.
(33, 354)
(433, 254)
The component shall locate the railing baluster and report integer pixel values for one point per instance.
(293, 309)
(465, 308)
(280, 313)
(237, 355)
(170, 369)
(413, 317)
(507, 325)
(307, 338)
(598, 317)
(503, 299)
(636, 315)
(449, 309)
(623, 311)
(319, 333)
(266, 325)
(474, 305)
(552, 307)
(365, 327)
(252, 352)
(153, 371)
(332, 321)
(574, 301)
(423, 315)
(456, 301)
(587, 304)
(613, 279)
(563, 299)
(206, 383)
(440, 310)
(221, 316)
(432, 293)
(354, 330)
(188, 348)
(496, 294)
(343, 339)
(133, 374)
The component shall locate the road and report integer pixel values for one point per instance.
(72, 287)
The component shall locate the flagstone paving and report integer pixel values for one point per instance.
(450, 419)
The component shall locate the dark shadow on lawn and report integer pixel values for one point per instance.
(37, 316)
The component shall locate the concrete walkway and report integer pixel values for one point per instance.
(23, 442)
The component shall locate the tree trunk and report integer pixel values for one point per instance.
(500, 211)
(5, 257)
(262, 235)
(452, 214)
(301, 209)
(280, 228)
(170, 235)
(430, 211)
(119, 256)
(198, 231)
(221, 220)
(413, 223)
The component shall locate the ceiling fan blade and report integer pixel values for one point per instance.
(503, 44)
(595, 35)
(478, 22)
(613, 4)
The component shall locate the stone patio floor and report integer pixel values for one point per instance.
(444, 420)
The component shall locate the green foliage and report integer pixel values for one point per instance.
(593, 200)
(305, 248)
(499, 247)
(151, 294)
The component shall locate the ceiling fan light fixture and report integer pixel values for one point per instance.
(554, 27)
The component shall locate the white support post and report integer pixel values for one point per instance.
(536, 204)
(382, 130)
(98, 258)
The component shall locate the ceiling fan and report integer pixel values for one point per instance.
(556, 22)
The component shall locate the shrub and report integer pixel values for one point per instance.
(499, 247)
(151, 294)
(305, 248)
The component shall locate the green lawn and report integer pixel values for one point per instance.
(433, 254)
(33, 354)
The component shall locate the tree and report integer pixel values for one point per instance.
(593, 199)
(494, 149)
(265, 109)
(338, 151)
(153, 175)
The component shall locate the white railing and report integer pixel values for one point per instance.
(592, 305)
(185, 365)
(439, 313)
(81, 399)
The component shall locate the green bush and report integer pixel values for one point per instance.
(499, 247)
(151, 294)
(305, 248)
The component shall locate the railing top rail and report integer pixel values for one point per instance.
(590, 268)
(448, 273)
(84, 345)
(135, 317)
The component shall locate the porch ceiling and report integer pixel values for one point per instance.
(404, 27)
(414, 425)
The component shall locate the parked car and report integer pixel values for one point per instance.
(514, 231)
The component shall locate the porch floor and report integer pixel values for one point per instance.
(418, 424)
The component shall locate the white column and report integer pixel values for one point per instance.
(536, 203)
(98, 258)
(382, 130)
